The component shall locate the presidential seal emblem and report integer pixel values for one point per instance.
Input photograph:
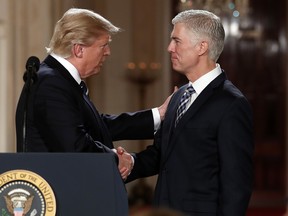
(25, 193)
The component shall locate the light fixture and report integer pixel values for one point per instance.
(235, 8)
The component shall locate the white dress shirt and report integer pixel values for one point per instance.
(200, 84)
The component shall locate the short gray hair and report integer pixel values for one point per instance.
(204, 25)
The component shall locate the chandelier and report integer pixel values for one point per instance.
(235, 8)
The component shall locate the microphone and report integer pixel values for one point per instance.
(32, 66)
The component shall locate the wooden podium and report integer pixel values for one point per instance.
(82, 183)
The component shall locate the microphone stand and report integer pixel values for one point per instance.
(30, 77)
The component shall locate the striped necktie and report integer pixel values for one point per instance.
(84, 88)
(186, 97)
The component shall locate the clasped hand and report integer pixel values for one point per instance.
(125, 162)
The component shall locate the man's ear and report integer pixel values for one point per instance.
(203, 47)
(77, 50)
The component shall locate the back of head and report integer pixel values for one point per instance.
(204, 25)
(78, 26)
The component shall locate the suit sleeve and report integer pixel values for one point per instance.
(235, 156)
(57, 115)
(130, 126)
(147, 162)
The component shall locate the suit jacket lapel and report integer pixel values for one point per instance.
(53, 63)
(168, 139)
(169, 122)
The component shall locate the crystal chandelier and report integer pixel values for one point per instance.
(235, 8)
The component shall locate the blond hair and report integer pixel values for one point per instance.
(78, 26)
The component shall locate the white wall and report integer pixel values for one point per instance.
(4, 122)
(25, 31)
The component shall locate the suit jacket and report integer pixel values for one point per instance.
(205, 163)
(60, 119)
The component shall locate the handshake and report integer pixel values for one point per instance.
(126, 162)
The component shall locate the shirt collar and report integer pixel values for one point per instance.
(200, 84)
(69, 67)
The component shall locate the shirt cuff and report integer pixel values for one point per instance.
(133, 161)
(156, 118)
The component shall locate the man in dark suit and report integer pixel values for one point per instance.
(60, 117)
(203, 150)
